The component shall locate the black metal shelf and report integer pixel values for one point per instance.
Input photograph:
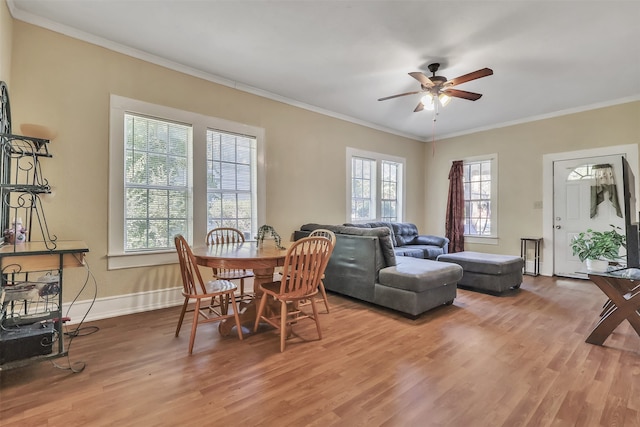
(24, 145)
(30, 310)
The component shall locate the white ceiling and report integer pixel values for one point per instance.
(339, 57)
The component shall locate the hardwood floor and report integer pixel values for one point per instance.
(514, 360)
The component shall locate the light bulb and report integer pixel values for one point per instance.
(427, 101)
(444, 99)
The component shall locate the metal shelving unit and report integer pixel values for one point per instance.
(31, 272)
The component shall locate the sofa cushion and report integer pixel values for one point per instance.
(428, 251)
(404, 232)
(376, 224)
(409, 251)
(478, 262)
(419, 275)
(382, 233)
(384, 238)
(430, 240)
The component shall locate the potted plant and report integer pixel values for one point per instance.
(598, 247)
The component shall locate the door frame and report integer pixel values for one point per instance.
(630, 150)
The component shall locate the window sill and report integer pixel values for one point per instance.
(146, 259)
(482, 240)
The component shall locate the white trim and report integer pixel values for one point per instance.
(481, 240)
(551, 115)
(631, 152)
(122, 305)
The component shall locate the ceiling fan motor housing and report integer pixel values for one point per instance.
(438, 80)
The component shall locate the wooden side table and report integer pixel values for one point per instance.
(536, 257)
(623, 289)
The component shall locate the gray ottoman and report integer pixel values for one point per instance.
(415, 285)
(487, 272)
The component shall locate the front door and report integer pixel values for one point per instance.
(572, 207)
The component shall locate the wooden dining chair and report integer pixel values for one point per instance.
(331, 236)
(218, 293)
(302, 272)
(224, 236)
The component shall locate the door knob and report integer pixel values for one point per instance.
(558, 227)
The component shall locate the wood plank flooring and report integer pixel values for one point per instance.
(513, 360)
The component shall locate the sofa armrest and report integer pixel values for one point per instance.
(426, 239)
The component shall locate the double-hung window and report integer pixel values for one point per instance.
(231, 180)
(480, 196)
(157, 184)
(176, 172)
(375, 187)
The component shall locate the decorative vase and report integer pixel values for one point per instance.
(597, 265)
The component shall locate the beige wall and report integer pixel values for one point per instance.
(6, 39)
(520, 149)
(65, 84)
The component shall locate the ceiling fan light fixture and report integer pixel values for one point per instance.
(438, 90)
(427, 101)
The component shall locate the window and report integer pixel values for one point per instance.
(581, 172)
(157, 184)
(230, 182)
(389, 197)
(480, 197)
(375, 191)
(173, 171)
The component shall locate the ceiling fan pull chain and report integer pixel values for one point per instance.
(433, 135)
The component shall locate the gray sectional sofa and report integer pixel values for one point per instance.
(408, 242)
(365, 266)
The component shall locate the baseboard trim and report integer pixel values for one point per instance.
(121, 305)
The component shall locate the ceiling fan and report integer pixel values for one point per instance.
(438, 90)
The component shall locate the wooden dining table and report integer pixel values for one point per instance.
(261, 259)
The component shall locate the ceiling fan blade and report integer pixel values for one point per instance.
(471, 96)
(424, 80)
(471, 76)
(400, 94)
(419, 107)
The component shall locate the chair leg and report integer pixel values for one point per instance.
(234, 307)
(283, 324)
(224, 304)
(242, 288)
(194, 326)
(263, 303)
(181, 318)
(324, 296)
(315, 317)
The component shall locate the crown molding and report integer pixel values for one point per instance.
(154, 59)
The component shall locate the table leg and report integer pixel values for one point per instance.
(624, 304)
(248, 310)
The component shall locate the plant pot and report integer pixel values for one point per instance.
(597, 265)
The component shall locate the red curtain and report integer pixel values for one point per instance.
(454, 226)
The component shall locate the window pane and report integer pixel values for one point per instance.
(389, 196)
(156, 182)
(477, 194)
(362, 188)
(231, 193)
(375, 189)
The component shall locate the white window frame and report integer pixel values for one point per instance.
(117, 258)
(378, 158)
(491, 239)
